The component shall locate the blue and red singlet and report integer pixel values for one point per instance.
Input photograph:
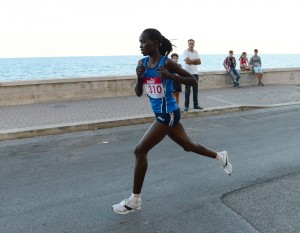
(159, 90)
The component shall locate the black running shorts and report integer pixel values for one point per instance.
(169, 118)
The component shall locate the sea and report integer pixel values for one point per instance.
(18, 69)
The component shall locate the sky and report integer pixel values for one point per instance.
(55, 28)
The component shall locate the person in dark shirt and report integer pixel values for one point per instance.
(230, 64)
(177, 88)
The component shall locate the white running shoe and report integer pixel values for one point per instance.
(128, 205)
(223, 159)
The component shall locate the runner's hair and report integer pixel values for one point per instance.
(165, 45)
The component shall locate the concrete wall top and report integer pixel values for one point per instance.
(65, 80)
(244, 72)
(93, 79)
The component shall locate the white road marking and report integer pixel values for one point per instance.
(221, 100)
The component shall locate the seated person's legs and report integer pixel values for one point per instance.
(237, 75)
(233, 76)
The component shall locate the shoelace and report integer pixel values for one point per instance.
(125, 201)
(128, 207)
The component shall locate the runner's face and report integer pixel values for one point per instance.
(147, 46)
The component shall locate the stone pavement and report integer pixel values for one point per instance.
(68, 116)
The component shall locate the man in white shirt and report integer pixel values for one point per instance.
(191, 61)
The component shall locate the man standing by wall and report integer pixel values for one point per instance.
(191, 61)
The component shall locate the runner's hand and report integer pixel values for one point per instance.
(140, 70)
(163, 72)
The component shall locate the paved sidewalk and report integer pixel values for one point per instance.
(68, 116)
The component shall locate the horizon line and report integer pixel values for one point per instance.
(66, 56)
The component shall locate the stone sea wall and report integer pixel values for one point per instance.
(25, 92)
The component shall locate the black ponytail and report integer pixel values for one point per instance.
(165, 47)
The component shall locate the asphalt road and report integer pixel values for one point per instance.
(67, 183)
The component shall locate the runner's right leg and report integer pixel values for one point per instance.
(152, 137)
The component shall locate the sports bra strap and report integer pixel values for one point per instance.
(145, 59)
(161, 62)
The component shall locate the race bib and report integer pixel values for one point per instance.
(154, 87)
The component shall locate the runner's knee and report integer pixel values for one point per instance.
(187, 147)
(139, 151)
